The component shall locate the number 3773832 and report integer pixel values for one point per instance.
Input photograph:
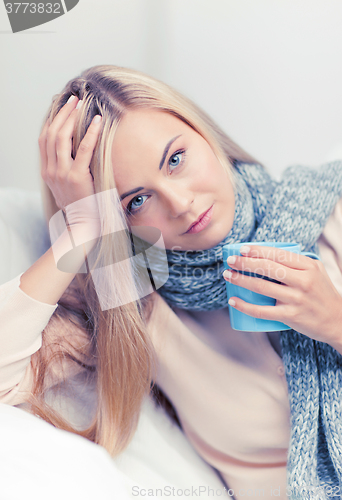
(33, 8)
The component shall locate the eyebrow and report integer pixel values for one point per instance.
(165, 152)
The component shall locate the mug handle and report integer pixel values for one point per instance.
(310, 254)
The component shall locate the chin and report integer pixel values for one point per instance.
(204, 244)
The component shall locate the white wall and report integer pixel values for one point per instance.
(269, 71)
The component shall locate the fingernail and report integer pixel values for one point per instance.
(231, 302)
(227, 274)
(79, 104)
(71, 98)
(244, 249)
(231, 259)
(97, 119)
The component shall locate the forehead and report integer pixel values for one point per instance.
(139, 142)
(144, 131)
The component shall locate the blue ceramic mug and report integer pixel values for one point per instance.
(241, 321)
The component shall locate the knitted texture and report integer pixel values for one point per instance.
(294, 209)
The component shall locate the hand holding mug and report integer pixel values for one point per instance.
(305, 298)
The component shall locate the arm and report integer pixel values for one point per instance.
(69, 181)
(28, 302)
(26, 306)
(330, 248)
(22, 320)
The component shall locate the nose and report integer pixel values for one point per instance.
(178, 200)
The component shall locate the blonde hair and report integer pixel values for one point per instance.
(115, 350)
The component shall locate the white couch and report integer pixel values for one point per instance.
(38, 461)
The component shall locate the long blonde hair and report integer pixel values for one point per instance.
(115, 350)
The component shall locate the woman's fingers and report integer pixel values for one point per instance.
(264, 267)
(64, 144)
(258, 285)
(280, 265)
(87, 145)
(57, 123)
(261, 312)
(284, 257)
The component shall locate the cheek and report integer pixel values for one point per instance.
(203, 173)
(153, 219)
(209, 175)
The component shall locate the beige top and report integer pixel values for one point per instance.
(228, 387)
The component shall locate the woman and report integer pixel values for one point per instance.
(163, 163)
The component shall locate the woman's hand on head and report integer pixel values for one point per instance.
(306, 299)
(68, 179)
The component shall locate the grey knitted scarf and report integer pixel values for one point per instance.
(294, 209)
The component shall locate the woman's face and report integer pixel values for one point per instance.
(167, 176)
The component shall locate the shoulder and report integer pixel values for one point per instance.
(334, 222)
(330, 247)
(162, 320)
(159, 308)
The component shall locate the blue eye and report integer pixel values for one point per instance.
(136, 203)
(176, 159)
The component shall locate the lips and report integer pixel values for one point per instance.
(198, 220)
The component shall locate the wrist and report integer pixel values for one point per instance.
(86, 232)
(67, 257)
(73, 246)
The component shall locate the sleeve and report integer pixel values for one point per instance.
(330, 247)
(22, 320)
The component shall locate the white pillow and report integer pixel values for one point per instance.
(40, 462)
(159, 455)
(23, 231)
